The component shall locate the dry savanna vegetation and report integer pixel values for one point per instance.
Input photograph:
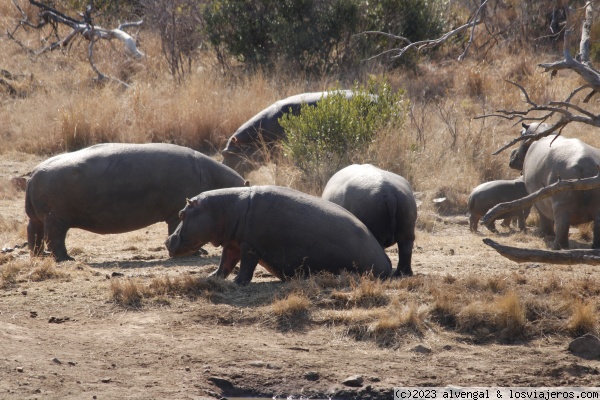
(124, 320)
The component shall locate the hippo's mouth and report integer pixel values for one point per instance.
(177, 249)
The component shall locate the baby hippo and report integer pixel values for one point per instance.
(489, 194)
(286, 231)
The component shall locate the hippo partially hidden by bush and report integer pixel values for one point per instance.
(286, 231)
(383, 201)
(115, 188)
(489, 194)
(245, 148)
(542, 163)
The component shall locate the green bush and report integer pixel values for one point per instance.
(314, 35)
(338, 131)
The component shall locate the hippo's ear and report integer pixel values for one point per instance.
(247, 183)
(191, 203)
(525, 128)
(234, 139)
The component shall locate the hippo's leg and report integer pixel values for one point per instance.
(229, 259)
(473, 222)
(546, 225)
(561, 241)
(596, 240)
(522, 219)
(405, 249)
(506, 222)
(247, 265)
(55, 233)
(35, 237)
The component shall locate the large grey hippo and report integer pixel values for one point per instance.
(489, 194)
(286, 231)
(115, 188)
(542, 163)
(383, 201)
(245, 148)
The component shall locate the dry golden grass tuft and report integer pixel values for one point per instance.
(45, 268)
(127, 293)
(584, 319)
(9, 273)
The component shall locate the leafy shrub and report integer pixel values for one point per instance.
(309, 34)
(338, 131)
(314, 35)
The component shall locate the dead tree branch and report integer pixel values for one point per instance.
(564, 257)
(431, 43)
(548, 191)
(84, 28)
(567, 111)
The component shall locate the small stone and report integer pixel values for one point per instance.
(353, 381)
(259, 364)
(106, 380)
(188, 369)
(312, 376)
(273, 366)
(20, 369)
(24, 292)
(56, 361)
(421, 349)
(72, 364)
(447, 347)
(586, 346)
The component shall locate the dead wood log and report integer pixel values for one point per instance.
(527, 201)
(564, 257)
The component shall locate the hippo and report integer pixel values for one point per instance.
(543, 162)
(115, 188)
(383, 201)
(245, 148)
(489, 194)
(286, 231)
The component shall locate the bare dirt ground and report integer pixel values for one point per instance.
(66, 337)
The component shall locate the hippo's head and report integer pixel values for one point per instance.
(241, 157)
(517, 156)
(197, 227)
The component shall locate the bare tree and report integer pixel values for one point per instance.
(84, 27)
(557, 114)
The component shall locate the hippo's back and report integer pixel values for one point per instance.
(382, 200)
(115, 187)
(292, 229)
(553, 157)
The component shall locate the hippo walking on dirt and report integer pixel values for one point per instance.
(383, 201)
(542, 163)
(115, 188)
(246, 147)
(286, 231)
(489, 194)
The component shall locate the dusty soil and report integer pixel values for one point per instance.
(66, 338)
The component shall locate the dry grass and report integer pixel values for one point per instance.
(440, 149)
(583, 320)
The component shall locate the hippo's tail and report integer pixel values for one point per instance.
(29, 209)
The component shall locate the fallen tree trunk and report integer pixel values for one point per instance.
(527, 201)
(564, 257)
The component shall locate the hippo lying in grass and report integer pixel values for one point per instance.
(489, 194)
(115, 188)
(383, 201)
(245, 148)
(286, 231)
(542, 163)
